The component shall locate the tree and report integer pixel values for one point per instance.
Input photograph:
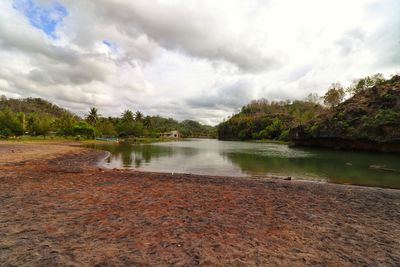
(127, 125)
(335, 95)
(127, 117)
(105, 127)
(84, 129)
(312, 98)
(130, 129)
(93, 116)
(364, 83)
(147, 122)
(65, 124)
(139, 116)
(22, 119)
(39, 125)
(272, 131)
(10, 124)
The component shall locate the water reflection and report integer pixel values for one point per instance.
(126, 155)
(244, 158)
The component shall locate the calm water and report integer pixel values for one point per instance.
(213, 157)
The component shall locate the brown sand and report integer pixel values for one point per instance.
(58, 209)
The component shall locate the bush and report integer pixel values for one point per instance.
(84, 129)
(5, 133)
(10, 124)
(284, 135)
(243, 135)
(273, 131)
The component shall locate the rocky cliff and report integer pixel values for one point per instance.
(370, 120)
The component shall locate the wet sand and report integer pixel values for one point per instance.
(58, 209)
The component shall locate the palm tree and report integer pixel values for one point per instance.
(147, 122)
(138, 116)
(127, 116)
(93, 116)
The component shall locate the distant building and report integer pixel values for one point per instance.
(172, 134)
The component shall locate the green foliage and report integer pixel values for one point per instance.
(139, 116)
(65, 124)
(39, 117)
(262, 119)
(93, 116)
(125, 129)
(334, 96)
(342, 125)
(386, 117)
(381, 118)
(39, 125)
(128, 126)
(82, 128)
(127, 117)
(32, 105)
(311, 129)
(105, 128)
(365, 83)
(372, 114)
(272, 131)
(10, 124)
(5, 132)
(284, 136)
(160, 124)
(243, 135)
(147, 122)
(190, 128)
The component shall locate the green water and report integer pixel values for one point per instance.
(213, 157)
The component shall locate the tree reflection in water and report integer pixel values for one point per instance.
(212, 157)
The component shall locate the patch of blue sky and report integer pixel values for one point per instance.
(110, 45)
(41, 16)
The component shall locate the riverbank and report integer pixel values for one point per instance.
(59, 209)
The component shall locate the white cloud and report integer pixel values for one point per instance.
(197, 59)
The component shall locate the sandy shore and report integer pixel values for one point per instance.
(58, 209)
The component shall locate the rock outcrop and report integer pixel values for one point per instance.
(370, 120)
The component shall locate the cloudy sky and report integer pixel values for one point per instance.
(190, 59)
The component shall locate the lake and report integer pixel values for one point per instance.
(213, 157)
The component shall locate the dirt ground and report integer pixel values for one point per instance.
(58, 209)
(13, 152)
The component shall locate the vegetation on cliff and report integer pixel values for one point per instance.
(371, 115)
(262, 119)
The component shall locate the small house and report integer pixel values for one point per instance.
(172, 134)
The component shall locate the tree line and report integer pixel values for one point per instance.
(260, 119)
(38, 117)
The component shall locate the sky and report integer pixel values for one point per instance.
(190, 59)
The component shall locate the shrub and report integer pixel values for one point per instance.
(82, 128)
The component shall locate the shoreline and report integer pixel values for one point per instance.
(249, 178)
(59, 208)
